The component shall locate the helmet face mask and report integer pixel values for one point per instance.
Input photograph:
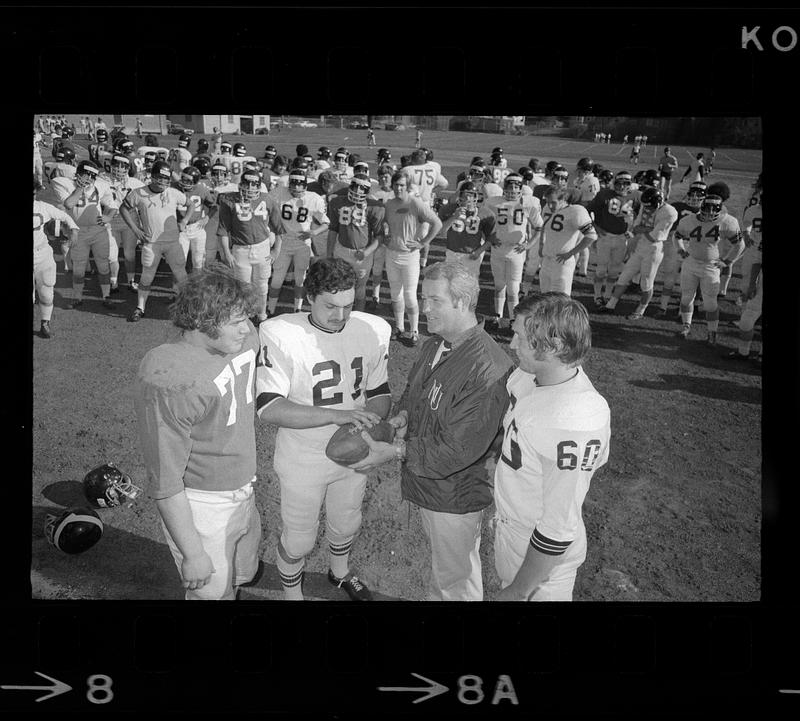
(226, 148)
(239, 150)
(560, 178)
(512, 186)
(468, 197)
(250, 186)
(189, 177)
(107, 486)
(85, 175)
(202, 146)
(219, 175)
(298, 182)
(183, 141)
(710, 208)
(358, 190)
(120, 167)
(340, 161)
(160, 176)
(149, 159)
(102, 136)
(695, 195)
(622, 183)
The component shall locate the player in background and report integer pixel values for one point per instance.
(498, 167)
(148, 159)
(418, 140)
(557, 434)
(318, 371)
(303, 219)
(122, 237)
(585, 186)
(527, 180)
(194, 402)
(721, 189)
(751, 229)
(273, 175)
(651, 228)
(757, 187)
(44, 266)
(202, 151)
(712, 154)
(323, 161)
(220, 183)
(63, 166)
(518, 219)
(558, 176)
(427, 177)
(567, 230)
(671, 265)
(356, 226)
(382, 193)
(699, 169)
(468, 228)
(404, 215)
(482, 183)
(224, 156)
(203, 199)
(637, 146)
(270, 153)
(101, 142)
(667, 165)
(606, 179)
(247, 227)
(238, 161)
(752, 280)
(217, 138)
(343, 171)
(702, 261)
(625, 139)
(151, 213)
(92, 206)
(370, 137)
(38, 168)
(613, 211)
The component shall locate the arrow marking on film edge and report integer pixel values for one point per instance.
(433, 689)
(58, 688)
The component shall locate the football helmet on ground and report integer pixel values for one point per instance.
(107, 486)
(75, 530)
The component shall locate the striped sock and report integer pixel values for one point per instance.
(291, 578)
(340, 557)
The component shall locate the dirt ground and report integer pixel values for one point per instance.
(675, 515)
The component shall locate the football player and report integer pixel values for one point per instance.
(567, 230)
(224, 156)
(671, 265)
(340, 166)
(270, 153)
(151, 212)
(752, 279)
(63, 166)
(699, 169)
(613, 211)
(606, 179)
(44, 266)
(557, 434)
(92, 206)
(247, 227)
(202, 151)
(220, 183)
(703, 260)
(427, 177)
(651, 228)
(404, 215)
(303, 224)
(323, 161)
(149, 157)
(518, 221)
(482, 182)
(635, 150)
(468, 228)
(666, 167)
(319, 371)
(586, 186)
(194, 401)
(527, 180)
(558, 176)
(38, 141)
(382, 193)
(101, 141)
(203, 199)
(240, 157)
(121, 235)
(356, 226)
(498, 166)
(180, 157)
(273, 175)
(721, 189)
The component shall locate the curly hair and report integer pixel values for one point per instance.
(556, 323)
(209, 298)
(329, 275)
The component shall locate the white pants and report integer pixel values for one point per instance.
(403, 269)
(510, 547)
(644, 261)
(610, 255)
(555, 276)
(456, 562)
(252, 263)
(230, 529)
(194, 240)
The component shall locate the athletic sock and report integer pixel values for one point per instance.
(340, 557)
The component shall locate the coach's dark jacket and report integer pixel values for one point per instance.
(455, 410)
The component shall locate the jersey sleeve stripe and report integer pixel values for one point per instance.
(381, 390)
(264, 399)
(548, 546)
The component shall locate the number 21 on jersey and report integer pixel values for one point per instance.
(227, 379)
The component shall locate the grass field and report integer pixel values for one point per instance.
(674, 515)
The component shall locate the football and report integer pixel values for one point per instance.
(346, 446)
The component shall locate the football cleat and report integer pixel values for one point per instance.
(44, 330)
(683, 333)
(136, 316)
(711, 338)
(106, 486)
(352, 586)
(73, 531)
